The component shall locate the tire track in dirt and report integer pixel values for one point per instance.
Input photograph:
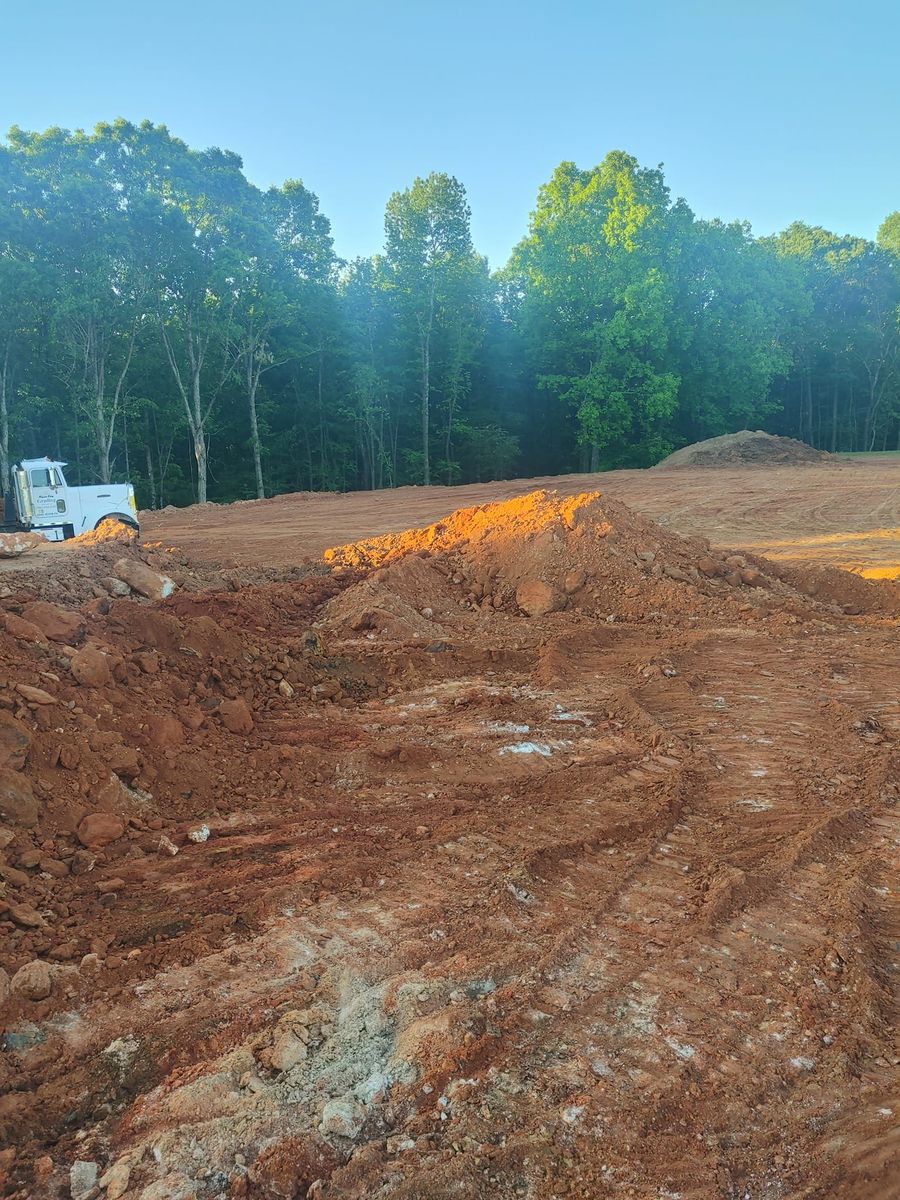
(735, 919)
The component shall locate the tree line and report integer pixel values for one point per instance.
(163, 318)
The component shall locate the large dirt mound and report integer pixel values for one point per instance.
(541, 554)
(746, 446)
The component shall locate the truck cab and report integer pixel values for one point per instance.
(42, 501)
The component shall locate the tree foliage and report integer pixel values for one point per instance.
(162, 317)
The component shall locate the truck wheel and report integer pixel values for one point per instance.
(122, 518)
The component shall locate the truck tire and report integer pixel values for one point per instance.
(122, 518)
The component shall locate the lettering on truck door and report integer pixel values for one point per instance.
(48, 496)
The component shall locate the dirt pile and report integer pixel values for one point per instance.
(747, 447)
(113, 729)
(588, 554)
(105, 563)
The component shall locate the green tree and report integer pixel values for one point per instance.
(597, 291)
(731, 322)
(889, 234)
(431, 263)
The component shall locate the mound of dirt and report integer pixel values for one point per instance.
(541, 554)
(746, 446)
(84, 568)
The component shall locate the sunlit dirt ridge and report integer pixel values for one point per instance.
(548, 855)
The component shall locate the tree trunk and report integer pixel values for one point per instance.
(426, 400)
(254, 437)
(150, 476)
(834, 415)
(322, 467)
(4, 422)
(198, 437)
(102, 450)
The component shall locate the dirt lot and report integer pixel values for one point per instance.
(537, 853)
(846, 514)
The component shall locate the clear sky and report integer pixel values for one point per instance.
(764, 110)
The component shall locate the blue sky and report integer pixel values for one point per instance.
(759, 110)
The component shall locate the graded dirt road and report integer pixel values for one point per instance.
(538, 853)
(845, 513)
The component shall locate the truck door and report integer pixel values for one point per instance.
(48, 496)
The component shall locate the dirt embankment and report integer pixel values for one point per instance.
(538, 851)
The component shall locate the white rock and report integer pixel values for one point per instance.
(82, 1178)
(342, 1118)
(287, 1051)
(143, 579)
(14, 544)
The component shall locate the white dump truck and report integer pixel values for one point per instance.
(42, 502)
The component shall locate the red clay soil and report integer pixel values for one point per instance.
(845, 513)
(369, 883)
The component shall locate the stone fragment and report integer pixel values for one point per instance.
(17, 802)
(143, 579)
(574, 580)
(710, 567)
(124, 761)
(25, 915)
(115, 587)
(32, 981)
(110, 885)
(90, 667)
(55, 867)
(674, 572)
(115, 1181)
(34, 695)
(15, 742)
(287, 1051)
(536, 598)
(99, 829)
(82, 1179)
(57, 624)
(236, 716)
(12, 545)
(82, 862)
(24, 630)
(173, 1186)
(343, 1118)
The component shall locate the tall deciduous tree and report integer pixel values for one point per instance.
(428, 249)
(597, 301)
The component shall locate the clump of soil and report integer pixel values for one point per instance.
(746, 446)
